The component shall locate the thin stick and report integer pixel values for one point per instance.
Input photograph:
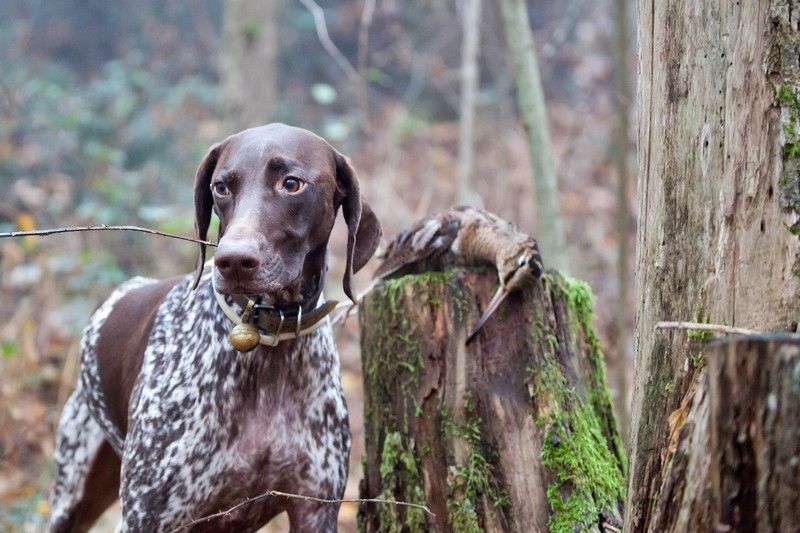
(301, 497)
(100, 227)
(344, 309)
(327, 43)
(719, 328)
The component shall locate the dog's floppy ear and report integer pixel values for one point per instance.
(363, 228)
(204, 204)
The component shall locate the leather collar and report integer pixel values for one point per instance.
(275, 325)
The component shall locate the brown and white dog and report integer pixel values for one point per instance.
(167, 415)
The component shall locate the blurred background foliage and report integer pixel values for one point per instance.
(106, 108)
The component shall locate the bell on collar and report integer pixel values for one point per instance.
(244, 337)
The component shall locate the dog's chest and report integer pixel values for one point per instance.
(216, 420)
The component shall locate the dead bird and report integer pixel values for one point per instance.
(465, 236)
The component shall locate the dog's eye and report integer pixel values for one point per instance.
(292, 184)
(220, 188)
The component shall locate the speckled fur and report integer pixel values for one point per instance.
(209, 427)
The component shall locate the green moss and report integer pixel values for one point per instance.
(699, 334)
(400, 480)
(589, 478)
(473, 479)
(697, 359)
(581, 446)
(581, 306)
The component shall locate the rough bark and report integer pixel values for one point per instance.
(736, 464)
(250, 61)
(533, 114)
(718, 198)
(514, 432)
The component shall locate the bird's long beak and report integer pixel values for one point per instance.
(495, 302)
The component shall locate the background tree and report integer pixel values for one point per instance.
(470, 44)
(719, 204)
(250, 48)
(533, 113)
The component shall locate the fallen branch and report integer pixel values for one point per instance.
(719, 328)
(100, 227)
(300, 497)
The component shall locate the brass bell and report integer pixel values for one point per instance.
(244, 337)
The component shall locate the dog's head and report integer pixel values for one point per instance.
(276, 190)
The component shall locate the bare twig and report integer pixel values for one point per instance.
(344, 309)
(719, 328)
(327, 43)
(100, 227)
(301, 497)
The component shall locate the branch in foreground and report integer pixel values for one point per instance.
(100, 227)
(719, 328)
(300, 497)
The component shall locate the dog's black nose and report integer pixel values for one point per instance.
(237, 259)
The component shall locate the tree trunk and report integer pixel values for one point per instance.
(250, 61)
(718, 201)
(533, 113)
(514, 432)
(471, 38)
(735, 467)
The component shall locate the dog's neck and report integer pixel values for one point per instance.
(258, 321)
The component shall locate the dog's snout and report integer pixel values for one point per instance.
(237, 259)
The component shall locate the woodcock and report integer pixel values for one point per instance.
(465, 236)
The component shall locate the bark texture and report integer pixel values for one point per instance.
(250, 61)
(514, 432)
(718, 200)
(737, 462)
(533, 114)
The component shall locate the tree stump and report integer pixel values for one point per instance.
(514, 432)
(736, 464)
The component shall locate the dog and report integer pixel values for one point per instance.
(167, 416)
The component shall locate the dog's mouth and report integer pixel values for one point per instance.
(270, 292)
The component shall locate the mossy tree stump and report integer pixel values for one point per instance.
(514, 432)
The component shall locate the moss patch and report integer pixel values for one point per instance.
(581, 306)
(474, 479)
(400, 480)
(581, 446)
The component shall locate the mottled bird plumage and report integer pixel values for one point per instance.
(465, 236)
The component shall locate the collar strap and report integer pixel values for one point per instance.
(272, 330)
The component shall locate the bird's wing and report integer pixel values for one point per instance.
(422, 241)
